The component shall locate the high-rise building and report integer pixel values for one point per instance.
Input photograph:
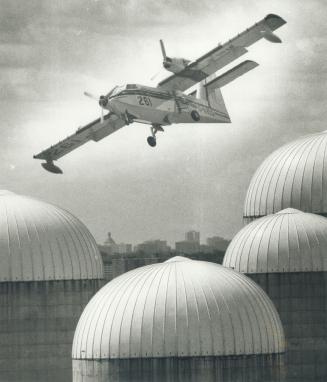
(191, 244)
(192, 236)
(186, 247)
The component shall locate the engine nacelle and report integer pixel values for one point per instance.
(173, 64)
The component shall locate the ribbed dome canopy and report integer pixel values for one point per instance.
(39, 241)
(292, 176)
(289, 241)
(178, 309)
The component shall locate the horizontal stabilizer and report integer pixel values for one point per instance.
(231, 75)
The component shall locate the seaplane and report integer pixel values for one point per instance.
(191, 94)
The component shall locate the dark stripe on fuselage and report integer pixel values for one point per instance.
(168, 96)
(146, 92)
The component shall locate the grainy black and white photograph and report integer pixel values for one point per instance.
(163, 191)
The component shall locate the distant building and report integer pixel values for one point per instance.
(205, 249)
(109, 251)
(110, 247)
(152, 247)
(192, 236)
(190, 245)
(119, 258)
(217, 243)
(123, 248)
(187, 247)
(109, 241)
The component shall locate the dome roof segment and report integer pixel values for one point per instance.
(178, 309)
(39, 241)
(289, 241)
(292, 176)
(177, 258)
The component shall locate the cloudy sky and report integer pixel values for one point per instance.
(196, 178)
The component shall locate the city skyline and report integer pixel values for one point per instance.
(112, 239)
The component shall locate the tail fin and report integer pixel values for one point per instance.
(216, 101)
(210, 96)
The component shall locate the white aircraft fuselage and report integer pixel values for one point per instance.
(155, 106)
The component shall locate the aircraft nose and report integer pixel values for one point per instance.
(103, 101)
(112, 105)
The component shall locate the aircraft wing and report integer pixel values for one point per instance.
(223, 54)
(95, 131)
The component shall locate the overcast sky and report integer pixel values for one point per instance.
(197, 176)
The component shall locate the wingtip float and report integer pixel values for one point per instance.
(51, 167)
(272, 22)
(174, 100)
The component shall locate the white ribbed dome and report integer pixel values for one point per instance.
(292, 176)
(178, 309)
(39, 241)
(289, 241)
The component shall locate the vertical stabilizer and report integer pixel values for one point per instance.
(216, 100)
(210, 96)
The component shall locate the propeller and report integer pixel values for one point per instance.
(90, 95)
(102, 100)
(166, 60)
(163, 50)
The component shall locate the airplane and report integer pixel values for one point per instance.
(174, 100)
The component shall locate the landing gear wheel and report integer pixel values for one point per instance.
(195, 115)
(152, 141)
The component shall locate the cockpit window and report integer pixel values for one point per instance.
(111, 92)
(116, 91)
(119, 89)
(131, 86)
